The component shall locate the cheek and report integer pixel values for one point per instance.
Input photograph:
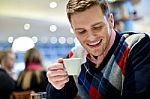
(106, 34)
(107, 37)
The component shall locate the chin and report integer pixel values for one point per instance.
(95, 53)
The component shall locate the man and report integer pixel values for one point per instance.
(7, 84)
(7, 61)
(117, 65)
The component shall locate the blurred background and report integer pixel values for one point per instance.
(43, 24)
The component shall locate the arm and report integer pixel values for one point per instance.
(69, 91)
(137, 77)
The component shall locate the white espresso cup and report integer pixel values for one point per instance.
(72, 65)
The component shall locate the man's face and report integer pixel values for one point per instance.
(10, 60)
(92, 29)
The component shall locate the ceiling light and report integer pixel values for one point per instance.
(62, 40)
(70, 40)
(52, 4)
(10, 39)
(35, 39)
(22, 44)
(53, 28)
(27, 26)
(53, 40)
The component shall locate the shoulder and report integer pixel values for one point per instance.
(2, 70)
(132, 39)
(138, 44)
(139, 55)
(134, 35)
(3, 73)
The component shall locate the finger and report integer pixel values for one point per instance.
(57, 73)
(58, 78)
(55, 66)
(62, 82)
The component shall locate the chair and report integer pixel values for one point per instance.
(21, 95)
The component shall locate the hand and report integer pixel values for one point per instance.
(57, 75)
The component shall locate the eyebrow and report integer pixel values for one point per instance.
(97, 23)
(79, 28)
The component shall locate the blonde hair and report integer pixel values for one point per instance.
(74, 6)
(33, 56)
(5, 52)
(24, 80)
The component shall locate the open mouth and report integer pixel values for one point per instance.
(95, 44)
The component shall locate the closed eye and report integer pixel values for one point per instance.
(81, 32)
(98, 27)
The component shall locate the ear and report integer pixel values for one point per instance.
(111, 20)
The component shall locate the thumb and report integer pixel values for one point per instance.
(60, 60)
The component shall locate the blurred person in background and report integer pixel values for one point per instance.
(8, 59)
(124, 14)
(117, 65)
(115, 6)
(127, 16)
(136, 16)
(33, 77)
(7, 84)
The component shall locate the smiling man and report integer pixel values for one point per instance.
(117, 65)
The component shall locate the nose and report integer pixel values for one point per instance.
(91, 36)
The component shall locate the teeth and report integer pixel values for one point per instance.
(95, 43)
